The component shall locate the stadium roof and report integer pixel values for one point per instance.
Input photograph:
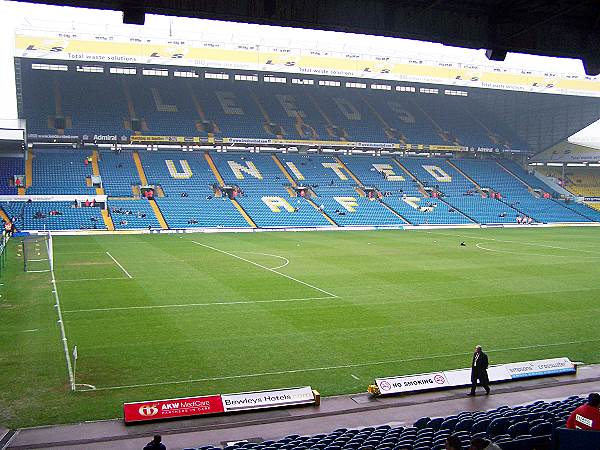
(546, 27)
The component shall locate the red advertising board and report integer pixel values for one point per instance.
(167, 409)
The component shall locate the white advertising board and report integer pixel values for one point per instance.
(412, 383)
(268, 399)
(541, 367)
(462, 377)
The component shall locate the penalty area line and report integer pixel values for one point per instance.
(118, 264)
(342, 366)
(267, 268)
(70, 280)
(185, 305)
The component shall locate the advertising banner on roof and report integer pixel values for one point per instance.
(87, 47)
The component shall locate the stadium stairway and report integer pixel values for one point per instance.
(100, 191)
(323, 213)
(294, 184)
(144, 181)
(414, 178)
(393, 211)
(214, 169)
(354, 177)
(465, 175)
(520, 174)
(458, 210)
(284, 171)
(234, 202)
(28, 172)
(96, 170)
(243, 212)
(3, 215)
(581, 209)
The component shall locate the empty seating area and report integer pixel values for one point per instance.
(61, 171)
(544, 210)
(228, 104)
(484, 210)
(190, 212)
(487, 173)
(53, 216)
(426, 211)
(179, 172)
(382, 173)
(9, 167)
(583, 182)
(189, 194)
(526, 176)
(118, 173)
(506, 426)
(438, 174)
(136, 214)
(291, 212)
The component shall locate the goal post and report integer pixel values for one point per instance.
(38, 253)
(3, 243)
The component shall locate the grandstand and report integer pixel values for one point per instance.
(132, 158)
(297, 190)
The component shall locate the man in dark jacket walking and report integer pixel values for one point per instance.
(479, 371)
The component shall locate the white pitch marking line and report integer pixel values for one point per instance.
(29, 331)
(514, 242)
(118, 264)
(479, 246)
(185, 305)
(90, 386)
(38, 260)
(63, 333)
(266, 268)
(345, 366)
(355, 377)
(91, 279)
(287, 261)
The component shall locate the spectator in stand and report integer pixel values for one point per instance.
(479, 371)
(453, 442)
(586, 417)
(483, 444)
(155, 444)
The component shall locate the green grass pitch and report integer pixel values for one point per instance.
(220, 313)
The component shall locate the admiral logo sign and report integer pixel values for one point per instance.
(105, 137)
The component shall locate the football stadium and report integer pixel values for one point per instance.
(290, 248)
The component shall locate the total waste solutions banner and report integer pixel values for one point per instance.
(168, 409)
(462, 377)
